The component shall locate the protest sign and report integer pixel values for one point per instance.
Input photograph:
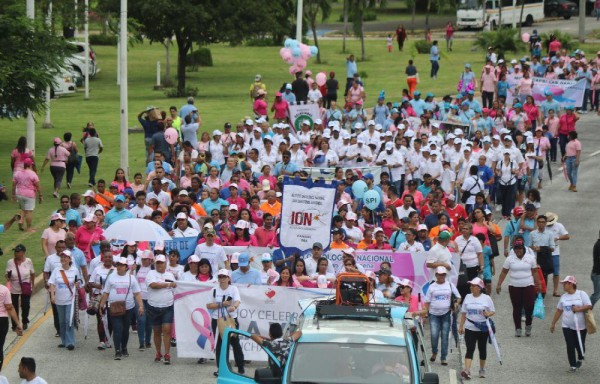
(566, 92)
(301, 111)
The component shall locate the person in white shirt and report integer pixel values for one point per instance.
(143, 323)
(160, 307)
(27, 372)
(173, 265)
(216, 148)
(353, 233)
(314, 94)
(311, 262)
(441, 299)
(411, 245)
(212, 252)
(63, 283)
(470, 251)
(394, 162)
(141, 210)
(158, 194)
(572, 307)
(560, 234)
(472, 184)
(435, 167)
(121, 292)
(268, 274)
(439, 255)
(225, 303)
(406, 208)
(182, 227)
(358, 155)
(523, 285)
(475, 310)
(96, 284)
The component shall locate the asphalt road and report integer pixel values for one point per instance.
(538, 359)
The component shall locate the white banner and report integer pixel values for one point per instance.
(306, 216)
(260, 306)
(299, 112)
(329, 173)
(566, 92)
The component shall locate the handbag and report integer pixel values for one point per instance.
(94, 305)
(119, 308)
(539, 310)
(466, 194)
(463, 279)
(224, 320)
(25, 286)
(590, 321)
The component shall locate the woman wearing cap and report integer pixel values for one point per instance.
(325, 157)
(226, 300)
(144, 327)
(88, 235)
(242, 236)
(381, 242)
(53, 233)
(571, 159)
(439, 303)
(506, 171)
(63, 283)
(160, 307)
(386, 283)
(476, 309)
(523, 284)
(58, 156)
(20, 273)
(572, 307)
(90, 205)
(191, 270)
(470, 251)
(121, 287)
(25, 186)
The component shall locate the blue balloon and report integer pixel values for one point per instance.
(288, 43)
(314, 50)
(359, 188)
(296, 52)
(294, 43)
(372, 199)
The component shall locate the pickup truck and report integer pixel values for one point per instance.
(342, 344)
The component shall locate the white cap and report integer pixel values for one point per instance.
(425, 150)
(378, 127)
(358, 126)
(318, 121)
(528, 134)
(409, 133)
(360, 140)
(183, 192)
(529, 140)
(389, 146)
(249, 122)
(496, 137)
(305, 121)
(160, 259)
(327, 131)
(89, 193)
(504, 131)
(457, 141)
(181, 216)
(266, 257)
(458, 131)
(351, 216)
(450, 136)
(422, 227)
(401, 126)
(193, 259)
(120, 260)
(233, 185)
(331, 124)
(389, 134)
(216, 132)
(224, 272)
(256, 129)
(233, 207)
(370, 122)
(513, 61)
(326, 135)
(508, 138)
(261, 120)
(241, 224)
(441, 270)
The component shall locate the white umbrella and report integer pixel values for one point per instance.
(136, 230)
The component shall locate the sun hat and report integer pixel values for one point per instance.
(569, 279)
(478, 282)
(441, 271)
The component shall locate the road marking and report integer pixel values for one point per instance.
(26, 335)
(452, 374)
(594, 153)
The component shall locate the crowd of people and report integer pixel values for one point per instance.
(441, 166)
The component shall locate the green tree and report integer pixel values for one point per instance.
(30, 58)
(312, 8)
(359, 7)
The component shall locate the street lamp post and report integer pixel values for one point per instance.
(30, 122)
(123, 87)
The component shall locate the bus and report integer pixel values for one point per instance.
(486, 13)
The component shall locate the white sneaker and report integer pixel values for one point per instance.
(101, 346)
(498, 207)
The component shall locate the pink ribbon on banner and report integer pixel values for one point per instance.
(204, 329)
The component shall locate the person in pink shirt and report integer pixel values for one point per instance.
(235, 198)
(571, 159)
(87, 235)
(532, 111)
(552, 122)
(488, 86)
(524, 86)
(260, 105)
(266, 235)
(57, 156)
(19, 154)
(389, 223)
(404, 295)
(520, 118)
(380, 241)
(280, 108)
(25, 186)
(554, 46)
(242, 236)
(566, 124)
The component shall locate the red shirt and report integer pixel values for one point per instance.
(264, 237)
(281, 108)
(260, 106)
(456, 213)
(566, 124)
(532, 112)
(384, 247)
(396, 204)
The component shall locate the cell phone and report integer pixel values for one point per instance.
(168, 281)
(9, 274)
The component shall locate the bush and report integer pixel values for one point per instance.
(422, 46)
(567, 41)
(503, 40)
(368, 16)
(199, 58)
(103, 39)
(261, 42)
(189, 91)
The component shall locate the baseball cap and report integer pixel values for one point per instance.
(57, 216)
(224, 272)
(444, 235)
(569, 279)
(406, 283)
(348, 251)
(161, 259)
(417, 93)
(243, 259)
(336, 231)
(20, 248)
(193, 259)
(441, 271)
(209, 232)
(351, 216)
(389, 146)
(478, 282)
(249, 122)
(89, 193)
(216, 132)
(317, 245)
(120, 198)
(66, 252)
(120, 260)
(368, 176)
(90, 219)
(181, 216)
(57, 140)
(131, 243)
(422, 227)
(233, 207)
(266, 257)
(288, 86)
(147, 254)
(183, 192)
(234, 257)
(241, 224)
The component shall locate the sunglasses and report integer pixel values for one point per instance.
(223, 276)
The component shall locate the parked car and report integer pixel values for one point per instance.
(77, 59)
(560, 8)
(64, 84)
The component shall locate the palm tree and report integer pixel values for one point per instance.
(311, 11)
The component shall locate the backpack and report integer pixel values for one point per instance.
(255, 88)
(466, 194)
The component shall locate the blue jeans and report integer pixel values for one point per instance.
(435, 67)
(507, 196)
(92, 162)
(437, 324)
(596, 295)
(553, 148)
(587, 96)
(144, 327)
(120, 326)
(67, 333)
(572, 169)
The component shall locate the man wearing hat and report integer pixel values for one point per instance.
(439, 255)
(214, 253)
(417, 103)
(118, 212)
(245, 274)
(559, 233)
(311, 262)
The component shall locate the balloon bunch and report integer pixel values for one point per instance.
(297, 54)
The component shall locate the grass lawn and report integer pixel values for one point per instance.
(223, 96)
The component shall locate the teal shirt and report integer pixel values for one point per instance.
(487, 265)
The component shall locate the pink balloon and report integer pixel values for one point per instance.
(321, 78)
(289, 59)
(282, 52)
(293, 69)
(171, 135)
(301, 63)
(525, 37)
(305, 49)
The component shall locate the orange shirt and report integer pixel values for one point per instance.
(340, 245)
(107, 205)
(274, 209)
(199, 209)
(364, 245)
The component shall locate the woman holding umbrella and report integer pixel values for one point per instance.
(476, 309)
(572, 306)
